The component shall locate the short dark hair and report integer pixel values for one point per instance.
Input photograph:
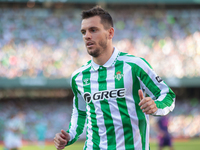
(106, 18)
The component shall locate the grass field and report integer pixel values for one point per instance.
(192, 144)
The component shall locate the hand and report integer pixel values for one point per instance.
(148, 105)
(61, 139)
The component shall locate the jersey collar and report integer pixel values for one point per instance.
(110, 62)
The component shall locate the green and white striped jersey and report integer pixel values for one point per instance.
(106, 99)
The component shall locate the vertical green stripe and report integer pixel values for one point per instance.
(85, 147)
(110, 130)
(81, 114)
(141, 117)
(95, 129)
(121, 102)
(87, 88)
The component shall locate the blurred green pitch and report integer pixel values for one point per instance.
(190, 144)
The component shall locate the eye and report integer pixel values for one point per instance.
(93, 30)
(83, 32)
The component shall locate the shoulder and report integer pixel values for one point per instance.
(81, 69)
(131, 58)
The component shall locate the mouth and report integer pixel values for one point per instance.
(89, 44)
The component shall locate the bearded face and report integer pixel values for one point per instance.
(100, 47)
(94, 35)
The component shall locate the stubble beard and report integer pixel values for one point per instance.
(102, 46)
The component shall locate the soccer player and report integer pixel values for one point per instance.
(13, 131)
(165, 139)
(109, 93)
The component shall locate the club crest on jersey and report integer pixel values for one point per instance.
(118, 75)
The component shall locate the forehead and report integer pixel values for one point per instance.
(91, 22)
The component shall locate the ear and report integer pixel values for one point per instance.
(111, 33)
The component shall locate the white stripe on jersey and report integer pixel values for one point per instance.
(132, 109)
(115, 114)
(99, 113)
(89, 132)
(147, 132)
(72, 131)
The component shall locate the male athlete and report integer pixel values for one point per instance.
(13, 132)
(108, 93)
(165, 139)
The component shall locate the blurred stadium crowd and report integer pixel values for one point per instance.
(48, 42)
(184, 121)
(54, 114)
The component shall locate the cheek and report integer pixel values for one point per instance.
(103, 38)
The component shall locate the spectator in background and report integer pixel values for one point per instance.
(41, 128)
(166, 36)
(13, 131)
(164, 136)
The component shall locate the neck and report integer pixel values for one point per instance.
(104, 57)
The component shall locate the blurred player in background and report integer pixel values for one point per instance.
(108, 92)
(41, 129)
(13, 131)
(164, 137)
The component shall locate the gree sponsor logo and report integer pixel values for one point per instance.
(101, 95)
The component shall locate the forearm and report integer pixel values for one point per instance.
(76, 126)
(165, 105)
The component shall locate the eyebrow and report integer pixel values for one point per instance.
(89, 28)
(82, 30)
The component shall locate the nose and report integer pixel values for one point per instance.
(87, 35)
